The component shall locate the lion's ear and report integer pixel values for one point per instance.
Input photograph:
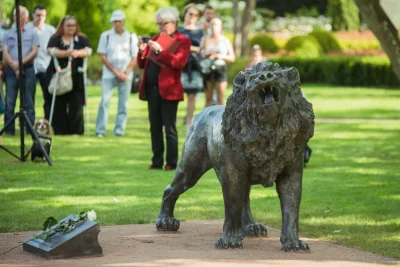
(239, 80)
(293, 75)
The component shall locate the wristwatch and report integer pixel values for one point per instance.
(158, 51)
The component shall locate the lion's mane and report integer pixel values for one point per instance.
(269, 136)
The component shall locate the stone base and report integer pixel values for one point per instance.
(80, 242)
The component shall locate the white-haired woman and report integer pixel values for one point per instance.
(161, 85)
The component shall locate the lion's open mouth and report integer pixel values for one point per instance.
(269, 95)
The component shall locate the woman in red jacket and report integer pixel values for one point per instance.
(161, 84)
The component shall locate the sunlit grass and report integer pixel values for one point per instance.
(353, 102)
(351, 187)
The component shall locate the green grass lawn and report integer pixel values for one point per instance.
(351, 188)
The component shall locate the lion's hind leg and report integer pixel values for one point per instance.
(193, 165)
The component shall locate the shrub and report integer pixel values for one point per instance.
(352, 71)
(267, 43)
(345, 15)
(304, 46)
(327, 40)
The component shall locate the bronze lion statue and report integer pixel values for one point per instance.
(258, 138)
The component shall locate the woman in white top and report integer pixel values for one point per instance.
(218, 47)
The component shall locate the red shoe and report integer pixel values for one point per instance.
(170, 167)
(154, 167)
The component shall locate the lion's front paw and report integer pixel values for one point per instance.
(295, 246)
(167, 223)
(230, 242)
(255, 229)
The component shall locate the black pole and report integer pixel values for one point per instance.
(21, 78)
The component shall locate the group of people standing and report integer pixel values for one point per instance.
(167, 75)
(40, 42)
(207, 41)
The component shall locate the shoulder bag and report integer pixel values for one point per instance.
(61, 82)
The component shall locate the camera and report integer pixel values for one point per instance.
(145, 39)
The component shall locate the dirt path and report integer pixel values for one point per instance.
(193, 245)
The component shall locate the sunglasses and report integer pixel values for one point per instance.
(70, 25)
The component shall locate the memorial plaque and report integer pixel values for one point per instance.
(80, 242)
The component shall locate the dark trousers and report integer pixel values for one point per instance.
(68, 114)
(44, 81)
(162, 113)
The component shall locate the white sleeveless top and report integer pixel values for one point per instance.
(221, 48)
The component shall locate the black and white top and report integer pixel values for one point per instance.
(80, 42)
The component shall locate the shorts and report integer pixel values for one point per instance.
(219, 74)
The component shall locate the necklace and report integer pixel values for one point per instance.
(65, 42)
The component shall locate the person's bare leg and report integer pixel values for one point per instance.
(221, 87)
(209, 93)
(191, 103)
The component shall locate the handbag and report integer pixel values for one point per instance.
(135, 82)
(194, 81)
(61, 82)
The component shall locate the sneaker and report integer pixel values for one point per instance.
(170, 167)
(100, 135)
(154, 167)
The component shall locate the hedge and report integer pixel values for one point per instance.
(350, 71)
(304, 46)
(353, 71)
(267, 43)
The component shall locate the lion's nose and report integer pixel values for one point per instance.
(265, 77)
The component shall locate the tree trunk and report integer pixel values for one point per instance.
(237, 39)
(384, 30)
(247, 19)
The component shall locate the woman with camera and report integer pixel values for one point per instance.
(163, 58)
(219, 48)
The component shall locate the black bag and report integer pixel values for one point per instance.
(194, 81)
(206, 65)
(307, 154)
(135, 82)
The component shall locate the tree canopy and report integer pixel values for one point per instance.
(93, 16)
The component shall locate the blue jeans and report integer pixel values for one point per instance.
(12, 86)
(107, 88)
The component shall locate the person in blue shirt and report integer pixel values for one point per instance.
(30, 46)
